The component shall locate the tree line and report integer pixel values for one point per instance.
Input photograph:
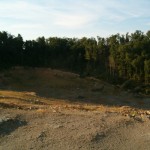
(118, 57)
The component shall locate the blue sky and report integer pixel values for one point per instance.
(73, 18)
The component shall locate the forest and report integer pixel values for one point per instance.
(116, 58)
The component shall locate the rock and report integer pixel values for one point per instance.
(54, 111)
(57, 126)
(98, 137)
(139, 119)
(144, 117)
(147, 112)
(126, 115)
(41, 135)
(4, 119)
(1, 120)
(133, 114)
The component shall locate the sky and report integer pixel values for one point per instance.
(73, 18)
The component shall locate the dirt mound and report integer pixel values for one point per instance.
(46, 109)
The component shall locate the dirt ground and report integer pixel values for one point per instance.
(44, 109)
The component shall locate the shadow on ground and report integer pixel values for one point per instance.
(9, 125)
(55, 84)
(96, 98)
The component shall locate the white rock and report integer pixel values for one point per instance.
(148, 112)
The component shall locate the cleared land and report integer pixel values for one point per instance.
(51, 109)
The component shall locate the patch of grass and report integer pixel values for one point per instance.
(26, 101)
(57, 84)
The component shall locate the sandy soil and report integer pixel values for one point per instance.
(72, 130)
(51, 110)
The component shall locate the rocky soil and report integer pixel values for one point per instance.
(50, 110)
(72, 130)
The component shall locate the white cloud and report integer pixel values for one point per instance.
(21, 10)
(71, 21)
(68, 17)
